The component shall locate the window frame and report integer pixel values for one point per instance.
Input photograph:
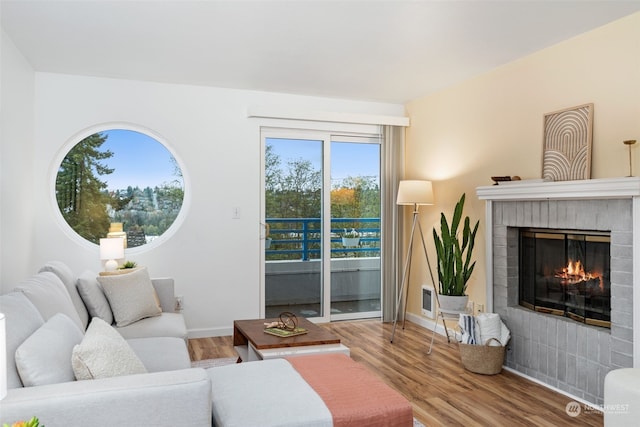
(101, 127)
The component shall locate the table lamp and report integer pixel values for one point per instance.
(111, 249)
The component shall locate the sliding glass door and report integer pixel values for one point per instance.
(321, 204)
(293, 216)
(355, 228)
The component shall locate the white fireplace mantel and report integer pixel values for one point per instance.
(603, 188)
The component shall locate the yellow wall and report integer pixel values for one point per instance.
(492, 125)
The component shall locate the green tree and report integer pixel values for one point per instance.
(80, 193)
(272, 181)
(301, 195)
(295, 191)
(356, 197)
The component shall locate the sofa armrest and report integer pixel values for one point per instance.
(170, 398)
(165, 288)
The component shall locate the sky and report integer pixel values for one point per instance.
(138, 160)
(347, 159)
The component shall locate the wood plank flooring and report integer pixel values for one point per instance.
(442, 392)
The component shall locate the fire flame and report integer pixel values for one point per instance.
(574, 273)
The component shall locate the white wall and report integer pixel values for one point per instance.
(16, 163)
(492, 125)
(214, 258)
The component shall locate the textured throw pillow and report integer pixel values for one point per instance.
(131, 296)
(103, 353)
(94, 297)
(45, 357)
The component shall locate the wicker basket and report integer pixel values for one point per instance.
(482, 359)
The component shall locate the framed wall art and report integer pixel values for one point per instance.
(567, 144)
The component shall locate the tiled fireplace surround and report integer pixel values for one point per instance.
(557, 351)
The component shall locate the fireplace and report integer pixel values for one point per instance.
(566, 273)
(572, 356)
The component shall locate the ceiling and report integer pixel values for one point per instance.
(389, 51)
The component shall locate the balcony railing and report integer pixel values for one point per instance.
(299, 238)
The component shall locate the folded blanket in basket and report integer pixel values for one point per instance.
(468, 328)
(480, 329)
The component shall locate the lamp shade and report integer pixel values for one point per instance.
(111, 249)
(3, 357)
(415, 192)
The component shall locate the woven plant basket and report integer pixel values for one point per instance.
(482, 359)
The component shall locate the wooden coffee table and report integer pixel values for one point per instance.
(252, 343)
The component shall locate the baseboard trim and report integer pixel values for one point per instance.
(210, 332)
(426, 323)
(550, 387)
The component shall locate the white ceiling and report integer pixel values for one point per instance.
(391, 51)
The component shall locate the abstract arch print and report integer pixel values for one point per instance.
(567, 144)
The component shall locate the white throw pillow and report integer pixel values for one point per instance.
(131, 296)
(93, 296)
(45, 357)
(103, 353)
(490, 326)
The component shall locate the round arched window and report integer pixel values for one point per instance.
(119, 182)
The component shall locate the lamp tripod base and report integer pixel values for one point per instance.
(402, 298)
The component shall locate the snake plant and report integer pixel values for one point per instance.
(454, 257)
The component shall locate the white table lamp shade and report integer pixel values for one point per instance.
(415, 192)
(3, 357)
(111, 249)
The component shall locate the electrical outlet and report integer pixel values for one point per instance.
(470, 307)
(480, 308)
(179, 303)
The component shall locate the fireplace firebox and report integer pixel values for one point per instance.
(566, 273)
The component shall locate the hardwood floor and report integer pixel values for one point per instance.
(442, 392)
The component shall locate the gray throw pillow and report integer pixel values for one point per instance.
(67, 277)
(45, 357)
(93, 296)
(131, 296)
(21, 320)
(46, 291)
(103, 353)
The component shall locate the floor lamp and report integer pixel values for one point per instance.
(414, 193)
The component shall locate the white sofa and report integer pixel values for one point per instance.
(622, 398)
(46, 318)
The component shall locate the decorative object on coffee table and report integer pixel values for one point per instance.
(286, 326)
(567, 144)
